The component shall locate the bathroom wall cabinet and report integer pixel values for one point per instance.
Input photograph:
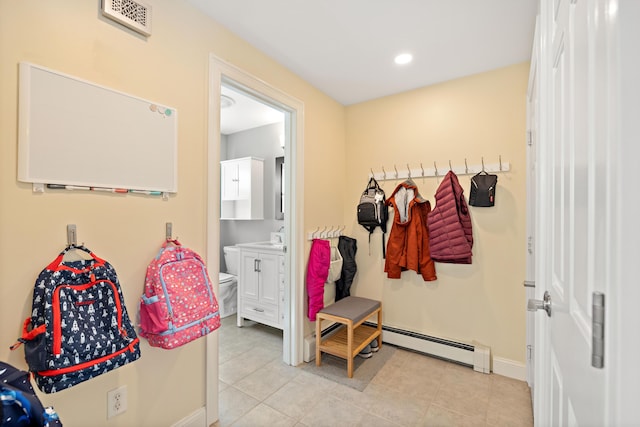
(242, 188)
(261, 287)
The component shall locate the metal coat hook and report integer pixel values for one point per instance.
(408, 171)
(435, 168)
(450, 168)
(314, 233)
(372, 174)
(384, 172)
(394, 168)
(482, 158)
(168, 230)
(72, 236)
(500, 159)
(422, 169)
(466, 168)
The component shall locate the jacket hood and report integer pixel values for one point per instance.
(403, 197)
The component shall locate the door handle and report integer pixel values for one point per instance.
(545, 304)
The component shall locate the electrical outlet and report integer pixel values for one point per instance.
(116, 401)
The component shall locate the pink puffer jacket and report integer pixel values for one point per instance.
(450, 233)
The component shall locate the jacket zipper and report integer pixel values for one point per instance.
(57, 328)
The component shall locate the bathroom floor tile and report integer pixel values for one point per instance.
(258, 389)
(263, 415)
(233, 405)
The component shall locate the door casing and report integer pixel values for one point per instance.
(221, 72)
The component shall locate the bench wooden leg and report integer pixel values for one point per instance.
(380, 326)
(318, 339)
(350, 349)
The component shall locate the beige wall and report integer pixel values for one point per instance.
(170, 67)
(469, 118)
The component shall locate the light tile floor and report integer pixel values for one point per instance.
(258, 389)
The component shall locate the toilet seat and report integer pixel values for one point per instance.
(226, 277)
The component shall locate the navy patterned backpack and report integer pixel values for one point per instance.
(79, 327)
(19, 404)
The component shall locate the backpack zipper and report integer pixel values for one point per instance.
(54, 372)
(166, 293)
(55, 302)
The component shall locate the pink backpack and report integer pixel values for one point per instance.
(178, 304)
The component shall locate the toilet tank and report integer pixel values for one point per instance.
(231, 259)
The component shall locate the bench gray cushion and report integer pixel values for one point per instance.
(353, 308)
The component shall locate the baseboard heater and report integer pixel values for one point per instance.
(475, 355)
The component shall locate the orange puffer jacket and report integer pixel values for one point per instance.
(451, 236)
(408, 244)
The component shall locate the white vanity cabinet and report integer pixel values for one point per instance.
(261, 287)
(241, 188)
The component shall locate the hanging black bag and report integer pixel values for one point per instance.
(483, 190)
(373, 211)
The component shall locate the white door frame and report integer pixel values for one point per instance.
(532, 143)
(221, 72)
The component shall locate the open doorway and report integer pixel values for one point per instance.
(225, 78)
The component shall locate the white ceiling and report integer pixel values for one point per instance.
(245, 113)
(346, 48)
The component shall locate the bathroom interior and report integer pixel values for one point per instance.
(252, 211)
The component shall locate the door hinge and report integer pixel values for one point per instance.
(529, 138)
(530, 244)
(529, 352)
(597, 330)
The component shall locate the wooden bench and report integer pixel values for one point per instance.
(351, 338)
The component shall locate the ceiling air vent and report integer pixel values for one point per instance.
(133, 14)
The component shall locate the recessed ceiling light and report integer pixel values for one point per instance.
(403, 58)
(226, 101)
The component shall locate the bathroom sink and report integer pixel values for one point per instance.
(262, 245)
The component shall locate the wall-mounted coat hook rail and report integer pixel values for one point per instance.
(169, 230)
(328, 232)
(463, 169)
(72, 237)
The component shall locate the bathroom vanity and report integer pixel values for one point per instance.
(261, 283)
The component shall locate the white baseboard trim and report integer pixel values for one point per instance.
(195, 419)
(509, 368)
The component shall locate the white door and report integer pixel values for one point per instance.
(578, 206)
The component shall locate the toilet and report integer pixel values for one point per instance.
(228, 298)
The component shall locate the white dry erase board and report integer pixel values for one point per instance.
(74, 132)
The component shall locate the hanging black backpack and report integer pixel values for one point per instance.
(483, 190)
(373, 211)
